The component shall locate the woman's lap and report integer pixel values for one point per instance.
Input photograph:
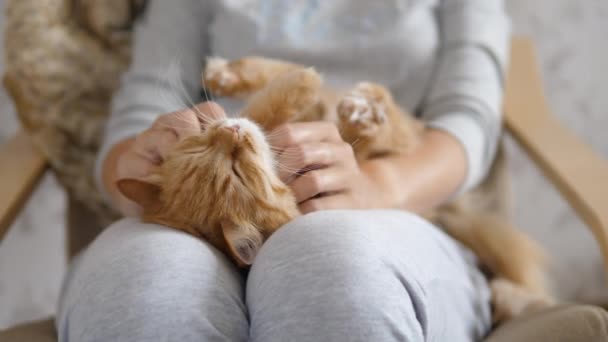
(365, 276)
(144, 282)
(332, 276)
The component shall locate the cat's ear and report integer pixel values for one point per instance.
(143, 192)
(244, 241)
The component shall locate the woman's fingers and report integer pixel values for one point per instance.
(316, 168)
(187, 122)
(305, 157)
(209, 111)
(314, 183)
(299, 159)
(134, 165)
(320, 173)
(304, 146)
(336, 201)
(182, 123)
(302, 132)
(154, 145)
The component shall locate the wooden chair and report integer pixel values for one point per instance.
(577, 172)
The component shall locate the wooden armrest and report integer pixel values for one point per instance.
(579, 174)
(21, 166)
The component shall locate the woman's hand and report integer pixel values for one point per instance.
(323, 173)
(140, 156)
(321, 168)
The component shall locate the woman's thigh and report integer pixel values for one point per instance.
(145, 282)
(377, 275)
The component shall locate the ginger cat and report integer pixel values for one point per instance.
(223, 186)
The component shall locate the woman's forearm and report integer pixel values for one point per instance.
(421, 180)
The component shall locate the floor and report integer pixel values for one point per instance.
(568, 35)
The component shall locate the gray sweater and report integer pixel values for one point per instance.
(443, 59)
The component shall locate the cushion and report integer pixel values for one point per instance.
(39, 331)
(565, 323)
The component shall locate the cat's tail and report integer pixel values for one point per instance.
(506, 251)
(286, 98)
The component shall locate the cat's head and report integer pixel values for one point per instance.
(220, 185)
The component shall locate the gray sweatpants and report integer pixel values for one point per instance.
(328, 276)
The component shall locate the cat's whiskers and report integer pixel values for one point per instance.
(299, 172)
(278, 149)
(291, 158)
(284, 167)
(187, 124)
(354, 143)
(288, 152)
(277, 132)
(202, 117)
(288, 168)
(181, 97)
(208, 96)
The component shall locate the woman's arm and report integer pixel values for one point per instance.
(462, 111)
(465, 99)
(415, 182)
(421, 180)
(168, 52)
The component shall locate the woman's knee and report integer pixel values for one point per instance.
(348, 235)
(348, 246)
(358, 249)
(318, 245)
(131, 251)
(331, 265)
(148, 273)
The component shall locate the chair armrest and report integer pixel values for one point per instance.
(580, 175)
(21, 166)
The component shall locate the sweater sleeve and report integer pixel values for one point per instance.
(465, 98)
(168, 52)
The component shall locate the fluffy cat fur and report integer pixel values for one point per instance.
(63, 61)
(222, 185)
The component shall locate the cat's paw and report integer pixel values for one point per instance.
(362, 109)
(220, 78)
(510, 300)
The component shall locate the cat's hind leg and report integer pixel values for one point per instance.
(510, 300)
(242, 77)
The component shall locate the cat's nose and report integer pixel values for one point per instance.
(233, 128)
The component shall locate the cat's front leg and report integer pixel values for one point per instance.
(363, 120)
(370, 120)
(220, 78)
(363, 110)
(242, 77)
